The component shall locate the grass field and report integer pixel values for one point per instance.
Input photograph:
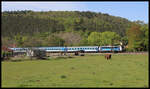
(81, 71)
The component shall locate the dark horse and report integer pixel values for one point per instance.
(108, 56)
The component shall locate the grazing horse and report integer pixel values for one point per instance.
(108, 56)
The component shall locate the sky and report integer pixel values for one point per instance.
(133, 11)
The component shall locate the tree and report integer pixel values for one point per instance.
(33, 42)
(135, 37)
(7, 41)
(72, 24)
(124, 41)
(144, 29)
(30, 22)
(20, 40)
(54, 40)
(109, 38)
(94, 38)
(70, 38)
(84, 40)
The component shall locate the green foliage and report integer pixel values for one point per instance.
(71, 28)
(54, 41)
(94, 38)
(84, 42)
(135, 38)
(145, 30)
(30, 22)
(6, 41)
(104, 38)
(20, 40)
(109, 38)
(124, 41)
(33, 42)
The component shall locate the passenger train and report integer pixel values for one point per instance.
(74, 49)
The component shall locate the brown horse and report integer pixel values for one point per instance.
(108, 56)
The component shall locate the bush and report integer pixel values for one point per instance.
(63, 76)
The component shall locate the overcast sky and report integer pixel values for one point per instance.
(129, 10)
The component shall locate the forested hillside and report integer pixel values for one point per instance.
(59, 28)
(29, 22)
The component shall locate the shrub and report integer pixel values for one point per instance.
(63, 76)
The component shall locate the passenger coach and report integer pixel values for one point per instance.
(110, 48)
(83, 48)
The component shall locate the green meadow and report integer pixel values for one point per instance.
(81, 71)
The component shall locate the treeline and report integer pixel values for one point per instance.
(71, 28)
(29, 22)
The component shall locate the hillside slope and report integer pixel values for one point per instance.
(30, 22)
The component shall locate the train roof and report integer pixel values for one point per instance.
(109, 46)
(84, 46)
(62, 47)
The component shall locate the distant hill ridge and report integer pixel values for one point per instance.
(30, 22)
